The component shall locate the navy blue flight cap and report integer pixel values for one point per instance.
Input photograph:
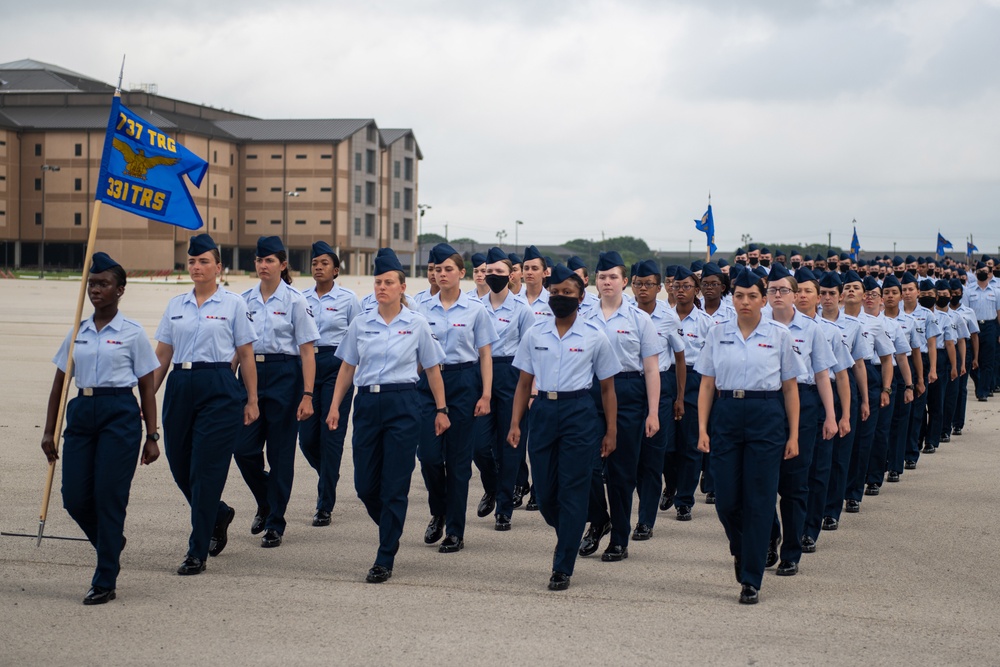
(382, 252)
(807, 258)
(778, 271)
(478, 259)
(921, 259)
(682, 273)
(891, 281)
(831, 253)
(942, 285)
(562, 273)
(574, 263)
(548, 262)
(926, 285)
(897, 260)
(871, 284)
(746, 279)
(647, 268)
(862, 262)
(779, 253)
(909, 278)
(986, 258)
(844, 256)
(632, 269)
(753, 246)
(609, 260)
(910, 259)
(954, 284)
(765, 251)
(804, 275)
(495, 255)
(322, 248)
(670, 271)
(697, 265)
(980, 265)
(722, 262)
(201, 244)
(531, 252)
(739, 251)
(761, 271)
(710, 269)
(387, 263)
(269, 245)
(830, 280)
(514, 258)
(441, 252)
(851, 277)
(102, 262)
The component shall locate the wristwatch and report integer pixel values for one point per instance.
(442, 411)
(154, 436)
(887, 390)
(912, 387)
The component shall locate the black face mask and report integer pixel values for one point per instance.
(563, 306)
(796, 265)
(982, 276)
(881, 276)
(754, 261)
(926, 301)
(497, 282)
(741, 262)
(765, 263)
(996, 273)
(955, 300)
(912, 272)
(898, 274)
(943, 301)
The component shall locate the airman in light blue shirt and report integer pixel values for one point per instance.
(283, 323)
(388, 353)
(210, 333)
(116, 356)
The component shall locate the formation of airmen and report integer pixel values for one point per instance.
(784, 388)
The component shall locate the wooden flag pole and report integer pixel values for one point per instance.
(91, 242)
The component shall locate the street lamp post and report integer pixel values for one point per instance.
(501, 235)
(423, 208)
(284, 216)
(41, 249)
(517, 223)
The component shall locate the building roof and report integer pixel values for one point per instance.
(32, 76)
(391, 136)
(333, 130)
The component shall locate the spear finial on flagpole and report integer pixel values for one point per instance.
(121, 73)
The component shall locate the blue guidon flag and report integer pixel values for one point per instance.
(942, 245)
(142, 168)
(707, 225)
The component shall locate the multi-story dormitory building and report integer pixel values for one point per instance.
(347, 182)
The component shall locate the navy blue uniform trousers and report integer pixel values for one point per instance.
(889, 421)
(621, 466)
(279, 390)
(747, 447)
(793, 478)
(100, 451)
(840, 466)
(202, 422)
(985, 377)
(446, 459)
(565, 440)
(951, 392)
(322, 448)
(900, 428)
(383, 447)
(498, 462)
(688, 460)
(935, 400)
(861, 452)
(958, 421)
(653, 451)
(822, 464)
(918, 416)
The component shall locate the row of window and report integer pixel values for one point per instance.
(278, 156)
(253, 188)
(369, 226)
(297, 222)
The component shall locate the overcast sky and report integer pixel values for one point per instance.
(582, 118)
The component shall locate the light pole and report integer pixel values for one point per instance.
(501, 235)
(517, 223)
(284, 217)
(423, 208)
(41, 249)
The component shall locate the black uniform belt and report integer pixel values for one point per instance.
(807, 386)
(268, 358)
(199, 365)
(104, 391)
(628, 375)
(382, 388)
(563, 395)
(503, 360)
(325, 349)
(667, 373)
(993, 321)
(740, 393)
(458, 367)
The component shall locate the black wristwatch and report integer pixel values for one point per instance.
(442, 411)
(887, 390)
(911, 387)
(154, 436)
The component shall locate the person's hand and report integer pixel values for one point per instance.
(441, 423)
(920, 387)
(482, 407)
(150, 452)
(865, 411)
(975, 364)
(49, 448)
(792, 448)
(679, 409)
(608, 444)
(514, 436)
(883, 399)
(652, 424)
(844, 425)
(953, 373)
(829, 428)
(704, 443)
(305, 410)
(932, 376)
(908, 395)
(250, 413)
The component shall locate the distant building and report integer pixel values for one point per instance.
(347, 182)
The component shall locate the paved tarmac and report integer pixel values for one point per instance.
(910, 580)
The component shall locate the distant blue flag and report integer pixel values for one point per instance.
(707, 225)
(970, 248)
(141, 170)
(855, 246)
(942, 244)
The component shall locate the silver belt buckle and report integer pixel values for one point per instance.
(375, 389)
(739, 393)
(258, 357)
(87, 391)
(186, 366)
(552, 395)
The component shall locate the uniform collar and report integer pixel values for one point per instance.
(190, 297)
(549, 326)
(506, 304)
(462, 301)
(542, 296)
(114, 325)
(280, 294)
(597, 310)
(733, 327)
(405, 315)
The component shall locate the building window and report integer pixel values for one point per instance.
(408, 144)
(275, 189)
(395, 169)
(326, 222)
(370, 193)
(407, 229)
(370, 161)
(230, 192)
(300, 189)
(230, 224)
(408, 170)
(215, 157)
(251, 222)
(372, 136)
(78, 150)
(251, 189)
(215, 189)
(276, 157)
(357, 194)
(369, 225)
(395, 231)
(230, 159)
(78, 219)
(3, 213)
(357, 226)
(395, 200)
(38, 218)
(276, 222)
(78, 184)
(300, 222)
(251, 157)
(38, 150)
(214, 225)
(357, 162)
(324, 189)
(38, 184)
(326, 156)
(408, 199)
(300, 157)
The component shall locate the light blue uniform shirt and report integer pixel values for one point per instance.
(948, 327)
(540, 305)
(210, 333)
(856, 343)
(116, 356)
(926, 324)
(283, 323)
(389, 353)
(961, 323)
(589, 300)
(569, 363)
(462, 329)
(371, 303)
(668, 328)
(725, 313)
(333, 312)
(631, 333)
(511, 320)
(873, 329)
(760, 363)
(834, 335)
(896, 335)
(695, 326)
(812, 347)
(971, 322)
(908, 327)
(984, 301)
